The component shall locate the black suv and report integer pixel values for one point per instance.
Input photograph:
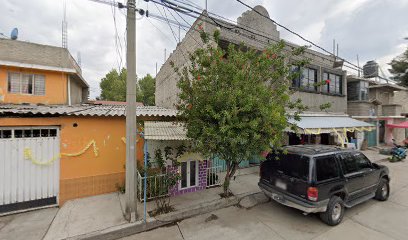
(322, 179)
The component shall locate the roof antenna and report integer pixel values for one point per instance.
(79, 59)
(358, 65)
(64, 26)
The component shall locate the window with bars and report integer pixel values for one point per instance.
(34, 133)
(334, 83)
(307, 79)
(33, 84)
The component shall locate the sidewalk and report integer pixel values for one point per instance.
(374, 155)
(102, 216)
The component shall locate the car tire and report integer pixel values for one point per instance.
(383, 190)
(334, 213)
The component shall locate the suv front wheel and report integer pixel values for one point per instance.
(334, 213)
(383, 190)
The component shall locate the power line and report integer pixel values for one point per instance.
(117, 38)
(294, 33)
(190, 12)
(168, 22)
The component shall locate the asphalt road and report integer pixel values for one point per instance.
(370, 220)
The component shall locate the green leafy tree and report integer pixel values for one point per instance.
(113, 86)
(234, 101)
(399, 68)
(147, 87)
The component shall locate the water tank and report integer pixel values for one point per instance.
(14, 34)
(370, 69)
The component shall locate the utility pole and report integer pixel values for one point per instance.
(131, 128)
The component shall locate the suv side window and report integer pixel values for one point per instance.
(348, 163)
(326, 168)
(362, 161)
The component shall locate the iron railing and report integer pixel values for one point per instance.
(155, 185)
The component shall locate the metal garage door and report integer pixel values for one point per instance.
(29, 167)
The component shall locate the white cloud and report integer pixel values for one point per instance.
(372, 28)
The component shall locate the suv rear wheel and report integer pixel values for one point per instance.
(383, 190)
(334, 213)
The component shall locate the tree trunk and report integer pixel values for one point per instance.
(231, 168)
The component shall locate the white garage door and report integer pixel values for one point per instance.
(29, 167)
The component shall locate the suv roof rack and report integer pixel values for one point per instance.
(314, 148)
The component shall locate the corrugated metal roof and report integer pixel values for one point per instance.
(85, 110)
(164, 131)
(328, 122)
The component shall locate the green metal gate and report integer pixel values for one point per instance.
(371, 137)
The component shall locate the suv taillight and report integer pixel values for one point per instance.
(312, 194)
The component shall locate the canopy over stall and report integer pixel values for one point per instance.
(325, 123)
(398, 125)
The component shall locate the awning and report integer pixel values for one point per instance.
(399, 125)
(154, 130)
(330, 124)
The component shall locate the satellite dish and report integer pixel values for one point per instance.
(14, 34)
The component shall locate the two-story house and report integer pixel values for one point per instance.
(256, 31)
(39, 74)
(373, 100)
(54, 145)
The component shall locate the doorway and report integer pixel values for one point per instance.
(381, 131)
(189, 174)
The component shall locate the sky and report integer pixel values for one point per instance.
(373, 29)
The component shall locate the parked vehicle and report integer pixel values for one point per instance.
(323, 179)
(398, 152)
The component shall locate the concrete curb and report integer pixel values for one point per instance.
(170, 218)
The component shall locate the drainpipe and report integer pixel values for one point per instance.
(145, 177)
(69, 90)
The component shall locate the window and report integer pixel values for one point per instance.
(348, 163)
(33, 133)
(326, 168)
(291, 165)
(14, 83)
(307, 80)
(363, 90)
(5, 133)
(362, 161)
(26, 83)
(357, 91)
(334, 83)
(189, 174)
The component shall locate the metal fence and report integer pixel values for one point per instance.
(223, 165)
(213, 176)
(154, 186)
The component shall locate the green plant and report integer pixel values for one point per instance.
(234, 101)
(181, 149)
(121, 187)
(158, 158)
(161, 191)
(168, 153)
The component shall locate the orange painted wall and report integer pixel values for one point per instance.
(87, 174)
(55, 87)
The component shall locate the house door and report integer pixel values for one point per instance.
(381, 132)
(29, 167)
(371, 137)
(189, 174)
